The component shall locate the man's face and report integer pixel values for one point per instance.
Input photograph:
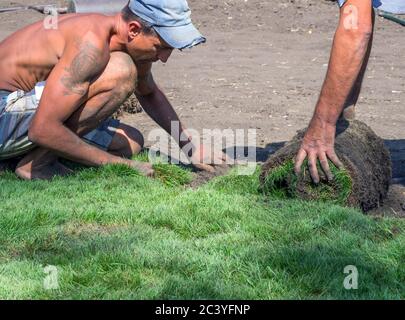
(149, 48)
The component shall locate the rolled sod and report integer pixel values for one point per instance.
(363, 182)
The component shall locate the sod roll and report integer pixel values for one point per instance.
(363, 183)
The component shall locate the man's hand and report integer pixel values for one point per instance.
(205, 158)
(144, 168)
(319, 144)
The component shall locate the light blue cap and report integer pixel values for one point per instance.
(171, 20)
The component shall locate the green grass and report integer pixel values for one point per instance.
(113, 234)
(282, 182)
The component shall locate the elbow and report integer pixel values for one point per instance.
(357, 32)
(356, 23)
(145, 90)
(361, 34)
(144, 93)
(356, 39)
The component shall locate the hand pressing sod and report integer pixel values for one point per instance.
(144, 168)
(205, 158)
(318, 144)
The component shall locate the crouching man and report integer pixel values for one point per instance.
(59, 88)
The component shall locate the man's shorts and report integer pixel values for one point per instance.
(392, 6)
(17, 109)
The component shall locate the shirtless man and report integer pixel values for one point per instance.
(349, 58)
(91, 64)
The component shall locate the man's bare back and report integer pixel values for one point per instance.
(29, 55)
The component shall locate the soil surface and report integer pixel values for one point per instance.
(262, 68)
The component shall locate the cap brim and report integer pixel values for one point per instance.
(181, 37)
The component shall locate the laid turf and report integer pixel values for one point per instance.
(113, 234)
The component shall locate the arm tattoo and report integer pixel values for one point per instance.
(82, 69)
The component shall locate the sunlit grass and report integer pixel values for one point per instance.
(113, 234)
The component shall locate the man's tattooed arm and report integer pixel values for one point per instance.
(82, 70)
(66, 91)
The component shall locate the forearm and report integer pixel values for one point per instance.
(348, 53)
(158, 107)
(67, 144)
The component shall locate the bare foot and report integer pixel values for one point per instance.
(43, 172)
(40, 164)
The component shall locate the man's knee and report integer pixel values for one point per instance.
(121, 74)
(106, 94)
(128, 141)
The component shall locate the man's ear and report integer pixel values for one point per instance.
(134, 29)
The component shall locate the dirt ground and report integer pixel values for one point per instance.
(262, 68)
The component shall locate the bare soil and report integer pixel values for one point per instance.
(263, 67)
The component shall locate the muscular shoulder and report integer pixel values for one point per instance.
(88, 36)
(82, 62)
(87, 56)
